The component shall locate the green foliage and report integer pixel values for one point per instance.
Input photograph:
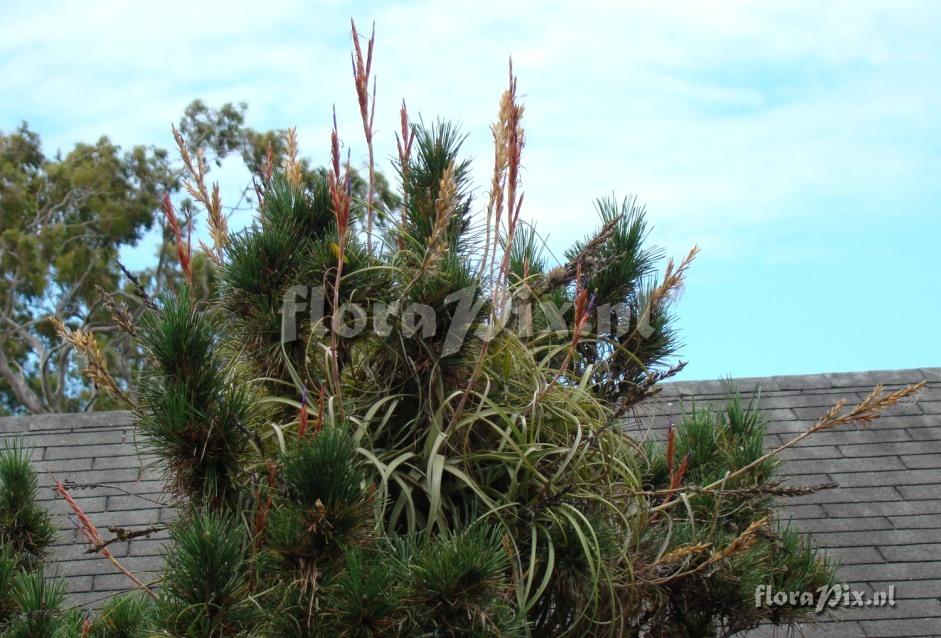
(37, 602)
(324, 503)
(436, 148)
(64, 221)
(460, 584)
(194, 412)
(216, 132)
(9, 567)
(715, 441)
(582, 549)
(723, 596)
(124, 616)
(207, 579)
(629, 274)
(369, 597)
(25, 528)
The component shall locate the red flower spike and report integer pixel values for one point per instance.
(182, 251)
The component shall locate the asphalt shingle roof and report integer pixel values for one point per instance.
(883, 522)
(96, 449)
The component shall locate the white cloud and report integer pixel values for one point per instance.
(721, 115)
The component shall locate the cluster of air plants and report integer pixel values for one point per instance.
(404, 421)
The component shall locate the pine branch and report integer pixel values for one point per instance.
(587, 260)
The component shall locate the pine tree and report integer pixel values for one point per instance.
(433, 475)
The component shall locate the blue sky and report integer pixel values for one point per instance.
(798, 143)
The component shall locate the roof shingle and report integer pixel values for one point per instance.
(883, 522)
